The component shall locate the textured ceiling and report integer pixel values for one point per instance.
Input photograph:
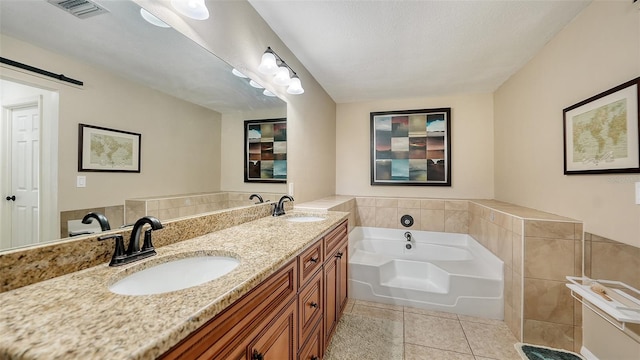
(368, 50)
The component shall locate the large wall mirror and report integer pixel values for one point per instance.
(183, 100)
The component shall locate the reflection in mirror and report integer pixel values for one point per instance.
(137, 77)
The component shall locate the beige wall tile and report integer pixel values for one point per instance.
(365, 201)
(386, 203)
(456, 221)
(577, 339)
(414, 213)
(115, 215)
(578, 254)
(366, 216)
(548, 259)
(503, 220)
(387, 217)
(409, 203)
(460, 205)
(432, 204)
(549, 229)
(547, 300)
(432, 220)
(577, 313)
(548, 334)
(579, 232)
(616, 261)
(517, 303)
(508, 287)
(493, 234)
(517, 226)
(516, 243)
(505, 246)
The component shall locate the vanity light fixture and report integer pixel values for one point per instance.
(151, 19)
(268, 93)
(272, 64)
(255, 84)
(195, 9)
(237, 73)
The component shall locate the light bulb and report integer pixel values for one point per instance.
(295, 87)
(195, 9)
(268, 93)
(237, 73)
(282, 76)
(151, 19)
(268, 64)
(255, 84)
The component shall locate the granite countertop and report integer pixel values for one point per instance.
(75, 316)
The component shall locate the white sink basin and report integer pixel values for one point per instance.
(306, 218)
(175, 275)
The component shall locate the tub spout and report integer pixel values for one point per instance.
(408, 236)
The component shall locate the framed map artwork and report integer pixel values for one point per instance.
(265, 151)
(601, 134)
(411, 147)
(102, 149)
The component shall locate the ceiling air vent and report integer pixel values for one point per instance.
(79, 8)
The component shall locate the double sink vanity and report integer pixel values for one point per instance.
(272, 288)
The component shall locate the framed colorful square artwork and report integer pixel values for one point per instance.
(265, 151)
(411, 147)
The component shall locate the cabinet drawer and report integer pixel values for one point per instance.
(310, 305)
(309, 262)
(334, 239)
(313, 348)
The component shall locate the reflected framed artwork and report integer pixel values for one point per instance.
(265, 151)
(102, 149)
(411, 147)
(601, 133)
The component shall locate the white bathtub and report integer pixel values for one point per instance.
(440, 271)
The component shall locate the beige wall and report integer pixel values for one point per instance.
(180, 141)
(471, 150)
(238, 35)
(597, 51)
(232, 144)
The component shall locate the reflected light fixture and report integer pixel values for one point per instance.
(195, 9)
(237, 73)
(255, 85)
(272, 64)
(151, 19)
(268, 93)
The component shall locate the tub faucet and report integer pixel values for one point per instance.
(278, 209)
(408, 236)
(102, 220)
(260, 200)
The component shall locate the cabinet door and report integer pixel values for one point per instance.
(313, 348)
(330, 298)
(310, 306)
(278, 341)
(343, 277)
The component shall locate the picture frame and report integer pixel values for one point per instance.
(265, 150)
(602, 133)
(411, 147)
(108, 150)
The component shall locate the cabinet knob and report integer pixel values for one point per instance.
(314, 260)
(314, 305)
(313, 357)
(339, 255)
(257, 356)
(11, 198)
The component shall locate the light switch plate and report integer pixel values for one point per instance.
(81, 181)
(638, 193)
(290, 189)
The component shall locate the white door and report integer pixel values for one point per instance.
(24, 164)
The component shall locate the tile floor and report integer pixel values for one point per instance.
(389, 332)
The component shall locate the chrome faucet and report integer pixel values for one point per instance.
(408, 236)
(278, 209)
(102, 220)
(134, 252)
(260, 201)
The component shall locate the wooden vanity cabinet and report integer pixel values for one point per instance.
(291, 315)
(335, 278)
